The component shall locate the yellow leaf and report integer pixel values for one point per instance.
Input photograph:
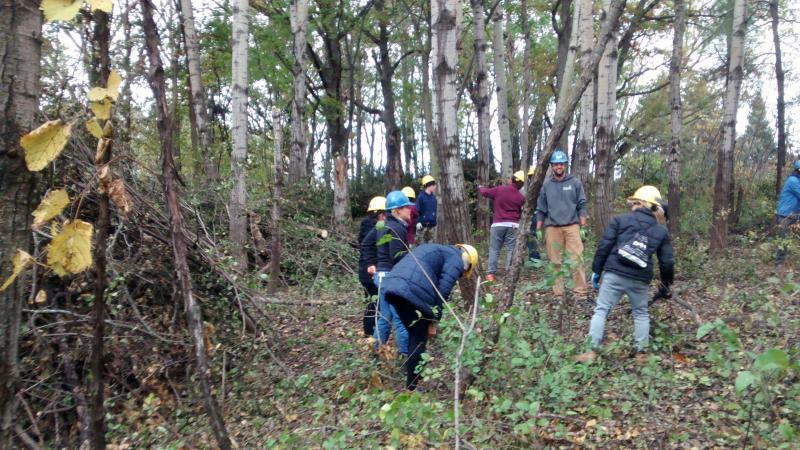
(102, 149)
(70, 251)
(111, 91)
(41, 297)
(45, 143)
(93, 126)
(60, 9)
(102, 5)
(51, 206)
(119, 195)
(21, 261)
(101, 109)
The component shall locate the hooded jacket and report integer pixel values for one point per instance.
(426, 206)
(392, 251)
(789, 201)
(561, 202)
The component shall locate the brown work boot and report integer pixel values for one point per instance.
(585, 358)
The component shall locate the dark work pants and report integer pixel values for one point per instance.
(370, 292)
(417, 336)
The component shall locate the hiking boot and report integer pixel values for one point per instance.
(585, 358)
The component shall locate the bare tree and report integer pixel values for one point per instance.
(526, 84)
(583, 144)
(723, 179)
(501, 91)
(676, 109)
(480, 98)
(298, 18)
(238, 201)
(277, 197)
(779, 78)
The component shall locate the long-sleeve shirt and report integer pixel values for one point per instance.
(561, 202)
(389, 253)
(508, 202)
(789, 201)
(426, 205)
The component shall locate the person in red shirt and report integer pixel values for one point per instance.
(507, 203)
(412, 224)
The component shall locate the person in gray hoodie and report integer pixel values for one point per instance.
(561, 215)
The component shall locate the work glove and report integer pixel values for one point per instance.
(583, 234)
(663, 292)
(419, 226)
(539, 235)
(596, 281)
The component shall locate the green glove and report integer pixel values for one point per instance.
(583, 233)
(539, 235)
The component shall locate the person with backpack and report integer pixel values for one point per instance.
(392, 245)
(366, 269)
(624, 259)
(426, 206)
(507, 205)
(788, 211)
(417, 287)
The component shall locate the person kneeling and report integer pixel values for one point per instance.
(418, 285)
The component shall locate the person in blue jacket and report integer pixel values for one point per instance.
(390, 250)
(426, 206)
(417, 287)
(788, 211)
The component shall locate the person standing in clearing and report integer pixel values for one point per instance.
(788, 211)
(561, 212)
(507, 205)
(624, 258)
(412, 224)
(417, 288)
(426, 206)
(367, 258)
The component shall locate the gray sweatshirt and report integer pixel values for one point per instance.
(561, 202)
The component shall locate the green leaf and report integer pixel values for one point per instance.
(384, 239)
(772, 359)
(745, 379)
(705, 329)
(380, 225)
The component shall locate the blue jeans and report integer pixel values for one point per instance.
(613, 287)
(500, 237)
(387, 316)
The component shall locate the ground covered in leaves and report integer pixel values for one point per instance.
(311, 380)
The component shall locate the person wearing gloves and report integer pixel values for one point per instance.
(412, 223)
(426, 206)
(366, 268)
(561, 214)
(624, 258)
(507, 205)
(417, 287)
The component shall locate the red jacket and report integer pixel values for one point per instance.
(508, 202)
(412, 225)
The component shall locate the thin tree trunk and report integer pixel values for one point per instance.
(20, 55)
(722, 182)
(385, 68)
(567, 39)
(198, 98)
(481, 101)
(779, 78)
(501, 91)
(526, 85)
(586, 125)
(298, 16)
(194, 314)
(238, 201)
(427, 98)
(676, 108)
(606, 115)
(275, 251)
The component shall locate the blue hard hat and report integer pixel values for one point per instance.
(558, 157)
(396, 199)
(797, 165)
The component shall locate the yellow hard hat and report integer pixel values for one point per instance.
(531, 171)
(647, 194)
(473, 257)
(409, 191)
(377, 204)
(427, 179)
(519, 176)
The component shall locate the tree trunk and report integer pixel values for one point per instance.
(385, 68)
(674, 158)
(722, 182)
(298, 16)
(238, 202)
(606, 115)
(166, 133)
(526, 87)
(20, 54)
(586, 125)
(277, 197)
(481, 101)
(779, 78)
(501, 91)
(567, 38)
(198, 100)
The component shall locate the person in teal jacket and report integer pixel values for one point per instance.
(788, 211)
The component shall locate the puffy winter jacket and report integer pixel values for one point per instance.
(392, 251)
(622, 229)
(442, 263)
(426, 205)
(789, 201)
(368, 254)
(508, 202)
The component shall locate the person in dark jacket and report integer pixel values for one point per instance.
(788, 210)
(426, 206)
(375, 212)
(392, 246)
(412, 223)
(417, 286)
(624, 258)
(507, 205)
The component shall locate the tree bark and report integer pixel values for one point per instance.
(385, 68)
(526, 87)
(501, 92)
(277, 197)
(481, 101)
(676, 109)
(567, 38)
(197, 99)
(166, 132)
(606, 117)
(298, 16)
(779, 78)
(238, 201)
(723, 179)
(20, 55)
(586, 125)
